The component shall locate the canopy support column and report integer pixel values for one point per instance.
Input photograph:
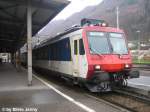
(29, 41)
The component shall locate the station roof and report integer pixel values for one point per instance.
(13, 22)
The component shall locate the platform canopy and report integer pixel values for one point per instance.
(13, 20)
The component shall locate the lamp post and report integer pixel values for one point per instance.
(139, 44)
(117, 14)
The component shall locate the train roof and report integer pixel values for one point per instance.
(57, 37)
(60, 35)
(86, 24)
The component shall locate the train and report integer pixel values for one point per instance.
(91, 54)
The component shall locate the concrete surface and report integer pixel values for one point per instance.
(142, 84)
(14, 93)
(145, 73)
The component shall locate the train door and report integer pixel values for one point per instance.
(76, 56)
(83, 66)
(79, 58)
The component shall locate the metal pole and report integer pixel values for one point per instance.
(19, 62)
(117, 9)
(139, 44)
(29, 41)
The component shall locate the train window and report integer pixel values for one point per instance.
(118, 43)
(98, 43)
(75, 47)
(55, 51)
(81, 47)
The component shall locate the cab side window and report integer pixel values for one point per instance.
(75, 47)
(81, 47)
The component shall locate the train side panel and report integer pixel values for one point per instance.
(61, 56)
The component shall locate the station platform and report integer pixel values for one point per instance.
(15, 94)
(142, 84)
(140, 66)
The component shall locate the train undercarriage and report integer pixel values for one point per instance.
(104, 82)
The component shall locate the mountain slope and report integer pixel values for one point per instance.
(133, 15)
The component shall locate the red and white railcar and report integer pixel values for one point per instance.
(93, 54)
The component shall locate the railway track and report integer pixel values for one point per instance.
(128, 92)
(122, 99)
(131, 101)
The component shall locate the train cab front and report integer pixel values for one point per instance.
(109, 60)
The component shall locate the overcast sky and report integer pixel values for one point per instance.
(75, 6)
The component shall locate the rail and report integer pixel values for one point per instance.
(133, 93)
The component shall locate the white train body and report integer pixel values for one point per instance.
(77, 65)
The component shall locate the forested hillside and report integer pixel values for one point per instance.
(133, 15)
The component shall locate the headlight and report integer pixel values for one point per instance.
(104, 24)
(127, 65)
(97, 67)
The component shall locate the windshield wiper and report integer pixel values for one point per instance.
(112, 50)
(111, 47)
(115, 52)
(96, 52)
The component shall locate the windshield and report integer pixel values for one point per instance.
(118, 43)
(106, 43)
(98, 43)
